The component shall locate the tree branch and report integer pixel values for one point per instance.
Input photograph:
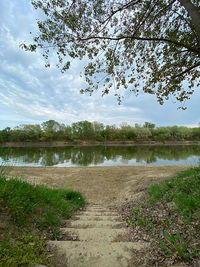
(144, 18)
(194, 14)
(185, 71)
(161, 39)
(107, 20)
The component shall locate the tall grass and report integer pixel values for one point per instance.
(32, 213)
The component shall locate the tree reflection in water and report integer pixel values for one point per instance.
(100, 155)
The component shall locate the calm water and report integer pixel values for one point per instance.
(101, 156)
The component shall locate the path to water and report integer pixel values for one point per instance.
(93, 238)
(96, 237)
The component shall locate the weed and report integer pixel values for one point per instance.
(140, 222)
(171, 215)
(129, 221)
(177, 244)
(166, 250)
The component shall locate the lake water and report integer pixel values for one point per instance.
(73, 156)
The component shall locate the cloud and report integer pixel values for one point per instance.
(36, 93)
(31, 93)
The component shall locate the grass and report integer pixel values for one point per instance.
(29, 215)
(171, 217)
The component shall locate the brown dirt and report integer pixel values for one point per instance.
(108, 186)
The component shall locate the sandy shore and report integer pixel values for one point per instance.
(99, 185)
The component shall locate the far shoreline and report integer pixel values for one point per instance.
(96, 143)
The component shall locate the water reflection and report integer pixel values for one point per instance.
(101, 155)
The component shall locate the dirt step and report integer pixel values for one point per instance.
(98, 218)
(97, 254)
(95, 224)
(97, 209)
(94, 234)
(97, 213)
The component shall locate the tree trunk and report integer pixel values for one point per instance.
(194, 14)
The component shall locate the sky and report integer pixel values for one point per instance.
(32, 94)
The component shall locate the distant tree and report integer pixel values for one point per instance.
(148, 44)
(149, 125)
(6, 134)
(68, 133)
(195, 135)
(32, 132)
(51, 130)
(82, 130)
(180, 132)
(137, 125)
(162, 134)
(51, 124)
(126, 132)
(142, 133)
(98, 131)
(109, 133)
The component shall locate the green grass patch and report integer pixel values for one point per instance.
(26, 251)
(27, 202)
(171, 216)
(35, 211)
(183, 191)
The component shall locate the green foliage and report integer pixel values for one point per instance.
(182, 190)
(162, 134)
(164, 248)
(28, 250)
(85, 130)
(142, 133)
(149, 125)
(171, 215)
(125, 49)
(33, 213)
(177, 244)
(27, 202)
(52, 130)
(4, 169)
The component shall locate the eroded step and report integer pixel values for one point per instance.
(97, 209)
(97, 254)
(94, 234)
(98, 218)
(96, 213)
(95, 224)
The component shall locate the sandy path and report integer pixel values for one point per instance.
(99, 185)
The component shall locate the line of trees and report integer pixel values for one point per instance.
(85, 131)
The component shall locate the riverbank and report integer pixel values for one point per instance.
(99, 185)
(116, 188)
(95, 143)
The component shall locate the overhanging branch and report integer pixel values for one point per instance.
(186, 71)
(152, 39)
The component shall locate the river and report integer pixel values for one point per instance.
(74, 156)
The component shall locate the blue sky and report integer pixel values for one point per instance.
(31, 94)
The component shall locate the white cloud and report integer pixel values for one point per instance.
(29, 92)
